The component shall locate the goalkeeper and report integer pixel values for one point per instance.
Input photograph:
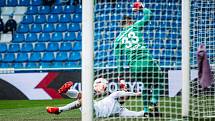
(130, 50)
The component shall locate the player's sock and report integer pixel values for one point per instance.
(145, 101)
(74, 105)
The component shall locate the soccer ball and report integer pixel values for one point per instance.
(100, 85)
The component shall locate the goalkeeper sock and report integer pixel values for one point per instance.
(145, 100)
(74, 105)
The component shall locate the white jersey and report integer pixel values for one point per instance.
(110, 105)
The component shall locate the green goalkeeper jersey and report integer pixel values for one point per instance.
(130, 48)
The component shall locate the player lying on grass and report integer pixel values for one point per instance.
(108, 106)
(130, 50)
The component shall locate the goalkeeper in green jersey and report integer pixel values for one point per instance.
(130, 50)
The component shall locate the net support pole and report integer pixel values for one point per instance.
(185, 57)
(87, 60)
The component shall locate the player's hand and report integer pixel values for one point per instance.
(138, 94)
(137, 6)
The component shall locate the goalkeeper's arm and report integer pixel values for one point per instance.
(119, 94)
(147, 15)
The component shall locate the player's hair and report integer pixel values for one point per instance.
(125, 20)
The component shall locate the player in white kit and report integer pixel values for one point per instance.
(108, 106)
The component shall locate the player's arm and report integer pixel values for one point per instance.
(147, 15)
(119, 94)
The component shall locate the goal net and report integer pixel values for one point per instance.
(141, 48)
(202, 32)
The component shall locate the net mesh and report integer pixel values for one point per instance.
(202, 32)
(141, 54)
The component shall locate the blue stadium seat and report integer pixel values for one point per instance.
(36, 28)
(171, 44)
(39, 19)
(69, 36)
(74, 56)
(13, 47)
(12, 3)
(45, 64)
(61, 27)
(79, 36)
(9, 57)
(100, 56)
(5, 65)
(52, 18)
(61, 56)
(76, 46)
(69, 9)
(27, 19)
(72, 64)
(35, 57)
(26, 47)
(44, 37)
(74, 27)
(24, 3)
(77, 18)
(44, 10)
(58, 65)
(36, 2)
(31, 37)
(48, 56)
(56, 9)
(19, 37)
(3, 47)
(39, 47)
(31, 65)
(57, 37)
(65, 18)
(17, 65)
(78, 9)
(22, 57)
(53, 46)
(65, 46)
(2, 3)
(23, 28)
(48, 27)
(31, 10)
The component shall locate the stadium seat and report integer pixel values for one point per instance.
(5, 65)
(44, 37)
(39, 19)
(61, 56)
(74, 56)
(9, 57)
(58, 65)
(69, 36)
(57, 37)
(45, 64)
(77, 18)
(3, 47)
(79, 36)
(13, 47)
(44, 10)
(32, 10)
(36, 28)
(35, 57)
(31, 37)
(22, 57)
(31, 65)
(56, 9)
(61, 27)
(74, 27)
(48, 27)
(76, 46)
(72, 64)
(24, 3)
(52, 18)
(78, 9)
(53, 46)
(39, 47)
(19, 37)
(69, 9)
(12, 3)
(48, 56)
(26, 47)
(100, 56)
(17, 65)
(2, 3)
(36, 2)
(65, 18)
(23, 28)
(27, 19)
(65, 46)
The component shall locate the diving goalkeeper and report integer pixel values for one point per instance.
(130, 50)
